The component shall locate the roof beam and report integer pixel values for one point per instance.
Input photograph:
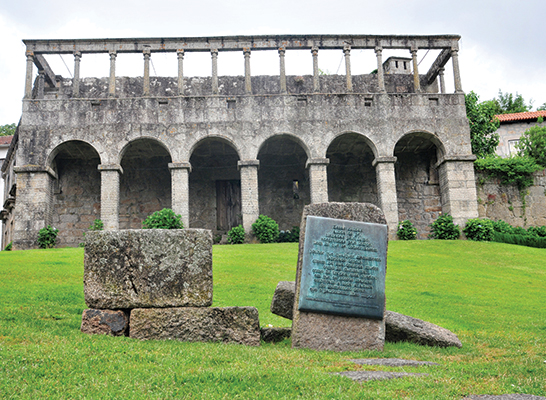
(440, 62)
(42, 65)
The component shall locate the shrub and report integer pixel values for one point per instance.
(444, 228)
(533, 144)
(164, 219)
(539, 231)
(406, 230)
(236, 235)
(97, 225)
(265, 229)
(502, 227)
(289, 236)
(518, 230)
(47, 237)
(512, 170)
(521, 240)
(8, 247)
(480, 230)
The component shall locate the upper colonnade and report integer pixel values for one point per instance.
(447, 44)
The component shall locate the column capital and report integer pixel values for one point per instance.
(456, 158)
(346, 49)
(214, 52)
(146, 52)
(317, 161)
(180, 53)
(29, 53)
(180, 165)
(77, 54)
(314, 50)
(413, 51)
(378, 49)
(379, 160)
(441, 70)
(110, 167)
(113, 54)
(34, 169)
(248, 163)
(246, 51)
(282, 51)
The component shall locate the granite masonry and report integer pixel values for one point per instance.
(222, 150)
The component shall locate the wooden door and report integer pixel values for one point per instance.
(228, 204)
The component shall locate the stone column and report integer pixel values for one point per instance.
(248, 80)
(214, 56)
(109, 195)
(34, 204)
(318, 179)
(380, 72)
(112, 80)
(416, 81)
(347, 53)
(316, 82)
(442, 82)
(146, 80)
(76, 79)
(250, 207)
(458, 187)
(456, 72)
(386, 189)
(180, 202)
(28, 78)
(41, 84)
(282, 52)
(180, 55)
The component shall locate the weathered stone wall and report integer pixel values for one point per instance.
(496, 201)
(509, 133)
(352, 180)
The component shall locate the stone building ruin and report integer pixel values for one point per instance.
(220, 150)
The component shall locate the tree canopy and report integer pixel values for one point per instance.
(483, 125)
(508, 103)
(7, 130)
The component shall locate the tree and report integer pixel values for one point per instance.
(483, 125)
(507, 103)
(7, 130)
(533, 144)
(542, 107)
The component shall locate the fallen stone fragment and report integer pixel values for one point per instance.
(513, 396)
(363, 376)
(274, 335)
(283, 299)
(391, 362)
(400, 327)
(105, 322)
(148, 268)
(197, 324)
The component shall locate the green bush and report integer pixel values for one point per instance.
(236, 235)
(539, 231)
(8, 247)
(502, 227)
(444, 228)
(47, 237)
(164, 219)
(265, 229)
(289, 236)
(533, 144)
(406, 230)
(521, 240)
(516, 170)
(479, 229)
(98, 225)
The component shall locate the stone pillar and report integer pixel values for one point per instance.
(146, 85)
(442, 82)
(250, 207)
(180, 55)
(34, 204)
(282, 52)
(214, 56)
(416, 81)
(248, 80)
(386, 189)
(380, 72)
(458, 187)
(318, 179)
(456, 71)
(41, 84)
(180, 202)
(76, 79)
(112, 80)
(316, 82)
(109, 195)
(28, 78)
(347, 53)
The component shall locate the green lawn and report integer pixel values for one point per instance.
(492, 295)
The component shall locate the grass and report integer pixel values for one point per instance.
(490, 294)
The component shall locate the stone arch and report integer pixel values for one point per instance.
(363, 138)
(145, 184)
(75, 197)
(214, 185)
(220, 138)
(143, 138)
(289, 136)
(283, 180)
(351, 175)
(417, 180)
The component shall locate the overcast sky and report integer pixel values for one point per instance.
(502, 45)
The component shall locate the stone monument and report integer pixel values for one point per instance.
(340, 282)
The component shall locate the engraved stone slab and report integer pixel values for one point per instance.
(328, 331)
(343, 269)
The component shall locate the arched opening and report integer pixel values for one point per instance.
(145, 185)
(417, 181)
(215, 186)
(351, 176)
(76, 191)
(283, 181)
